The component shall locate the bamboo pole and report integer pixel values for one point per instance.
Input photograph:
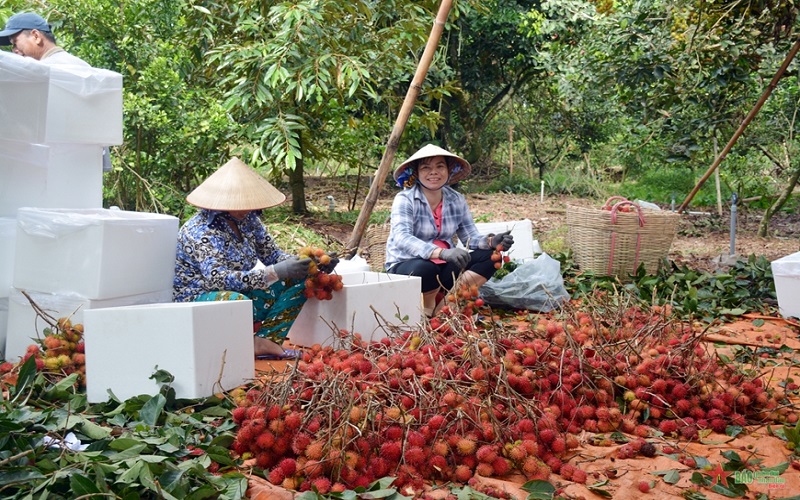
(399, 126)
(744, 124)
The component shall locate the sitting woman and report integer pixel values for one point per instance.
(426, 216)
(225, 253)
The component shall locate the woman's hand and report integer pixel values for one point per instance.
(457, 256)
(293, 268)
(503, 239)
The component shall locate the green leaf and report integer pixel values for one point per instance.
(539, 490)
(16, 476)
(597, 488)
(81, 485)
(670, 476)
(758, 322)
(151, 411)
(94, 431)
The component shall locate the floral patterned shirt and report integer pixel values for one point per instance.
(210, 256)
(413, 228)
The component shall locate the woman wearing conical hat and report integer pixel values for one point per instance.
(426, 216)
(225, 253)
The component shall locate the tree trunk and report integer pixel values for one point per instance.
(763, 226)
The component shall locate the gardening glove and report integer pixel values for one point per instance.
(457, 256)
(292, 268)
(328, 268)
(504, 239)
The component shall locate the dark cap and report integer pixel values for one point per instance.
(20, 22)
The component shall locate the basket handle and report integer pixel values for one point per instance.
(610, 202)
(614, 211)
(625, 203)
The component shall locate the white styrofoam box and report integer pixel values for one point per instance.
(206, 346)
(396, 298)
(521, 230)
(24, 325)
(54, 176)
(786, 273)
(356, 264)
(94, 253)
(49, 104)
(8, 239)
(24, 84)
(84, 106)
(3, 326)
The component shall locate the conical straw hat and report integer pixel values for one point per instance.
(433, 150)
(235, 186)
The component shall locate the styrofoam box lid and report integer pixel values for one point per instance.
(55, 222)
(787, 266)
(85, 80)
(97, 253)
(15, 68)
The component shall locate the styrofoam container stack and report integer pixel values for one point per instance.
(365, 305)
(95, 253)
(64, 104)
(54, 176)
(3, 325)
(786, 273)
(8, 239)
(24, 325)
(521, 230)
(206, 346)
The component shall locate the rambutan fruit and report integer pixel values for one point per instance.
(688, 432)
(265, 459)
(273, 412)
(293, 420)
(559, 445)
(415, 438)
(415, 455)
(486, 453)
(567, 470)
(465, 446)
(265, 440)
(501, 466)
(393, 432)
(239, 414)
(300, 442)
(321, 484)
(392, 450)
(462, 474)
(579, 476)
(547, 436)
(484, 469)
(440, 447)
(526, 425)
(641, 431)
(517, 453)
(555, 464)
(379, 466)
(436, 422)
(719, 425)
(276, 476)
(644, 486)
(668, 426)
(315, 450)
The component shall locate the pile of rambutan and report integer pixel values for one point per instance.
(60, 352)
(461, 397)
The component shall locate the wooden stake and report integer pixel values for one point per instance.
(399, 126)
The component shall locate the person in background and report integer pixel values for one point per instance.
(224, 252)
(31, 36)
(426, 215)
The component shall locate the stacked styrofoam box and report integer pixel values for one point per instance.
(59, 104)
(88, 258)
(27, 326)
(366, 304)
(521, 230)
(206, 346)
(786, 274)
(56, 120)
(50, 176)
(8, 232)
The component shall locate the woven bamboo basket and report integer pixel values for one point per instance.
(615, 239)
(375, 237)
